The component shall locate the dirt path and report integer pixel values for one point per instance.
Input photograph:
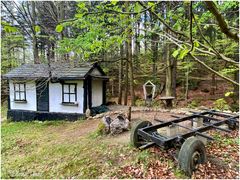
(124, 138)
(75, 130)
(72, 131)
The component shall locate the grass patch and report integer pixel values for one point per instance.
(59, 149)
(54, 150)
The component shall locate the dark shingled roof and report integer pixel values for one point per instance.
(60, 70)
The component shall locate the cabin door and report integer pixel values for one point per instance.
(42, 89)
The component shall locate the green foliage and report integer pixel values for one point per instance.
(180, 174)
(193, 84)
(193, 104)
(233, 101)
(37, 29)
(187, 66)
(11, 38)
(97, 34)
(8, 28)
(114, 2)
(140, 102)
(221, 104)
(100, 131)
(175, 53)
(59, 28)
(137, 7)
(143, 156)
(229, 70)
(156, 103)
(183, 53)
(227, 94)
(196, 44)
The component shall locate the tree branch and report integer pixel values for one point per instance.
(216, 52)
(202, 63)
(213, 71)
(23, 29)
(162, 20)
(221, 21)
(184, 35)
(134, 13)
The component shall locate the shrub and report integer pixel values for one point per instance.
(156, 103)
(232, 99)
(193, 104)
(193, 84)
(140, 102)
(221, 104)
(101, 130)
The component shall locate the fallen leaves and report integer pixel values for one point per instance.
(223, 158)
(211, 170)
(222, 155)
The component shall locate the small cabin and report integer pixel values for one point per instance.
(56, 91)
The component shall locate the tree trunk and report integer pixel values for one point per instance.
(52, 51)
(168, 72)
(24, 55)
(187, 84)
(61, 15)
(154, 48)
(129, 58)
(213, 86)
(137, 43)
(120, 76)
(126, 76)
(112, 86)
(145, 33)
(64, 32)
(130, 61)
(34, 41)
(236, 78)
(174, 76)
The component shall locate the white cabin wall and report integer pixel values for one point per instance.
(97, 94)
(31, 103)
(55, 98)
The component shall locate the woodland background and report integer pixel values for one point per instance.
(189, 49)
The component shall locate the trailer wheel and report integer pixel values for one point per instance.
(135, 139)
(192, 152)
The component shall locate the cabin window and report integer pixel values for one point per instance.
(19, 92)
(69, 93)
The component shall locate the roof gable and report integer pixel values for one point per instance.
(96, 72)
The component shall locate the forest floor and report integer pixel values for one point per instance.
(198, 96)
(63, 149)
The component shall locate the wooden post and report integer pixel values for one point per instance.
(129, 113)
